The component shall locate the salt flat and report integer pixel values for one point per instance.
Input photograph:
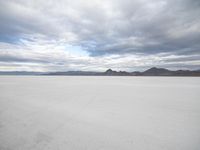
(99, 113)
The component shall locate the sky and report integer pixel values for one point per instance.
(94, 35)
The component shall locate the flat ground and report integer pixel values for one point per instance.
(99, 113)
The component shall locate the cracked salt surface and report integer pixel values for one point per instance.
(90, 113)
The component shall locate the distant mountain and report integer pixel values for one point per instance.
(165, 72)
(156, 72)
(19, 73)
(74, 73)
(186, 73)
(150, 72)
(110, 72)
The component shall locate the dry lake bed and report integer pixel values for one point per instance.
(99, 113)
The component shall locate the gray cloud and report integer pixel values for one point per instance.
(102, 28)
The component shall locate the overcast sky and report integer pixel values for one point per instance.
(61, 35)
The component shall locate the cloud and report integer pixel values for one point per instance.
(99, 34)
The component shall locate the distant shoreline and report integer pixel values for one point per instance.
(149, 72)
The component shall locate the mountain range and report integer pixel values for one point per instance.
(150, 72)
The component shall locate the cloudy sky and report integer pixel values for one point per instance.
(61, 35)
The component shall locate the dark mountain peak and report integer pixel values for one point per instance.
(157, 71)
(156, 68)
(109, 70)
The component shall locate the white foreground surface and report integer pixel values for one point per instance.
(99, 113)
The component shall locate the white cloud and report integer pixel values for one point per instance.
(98, 34)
